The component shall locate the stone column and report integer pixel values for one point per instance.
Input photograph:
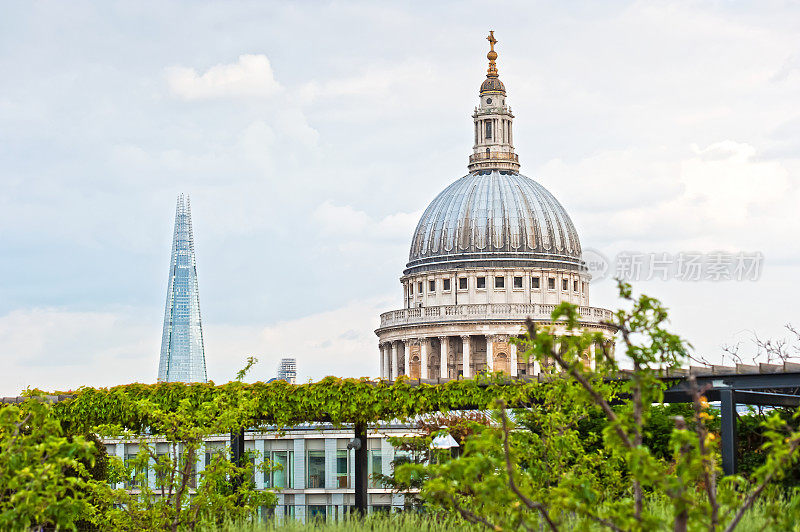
(395, 361)
(489, 353)
(387, 361)
(406, 351)
(443, 361)
(424, 353)
(512, 359)
(381, 362)
(465, 357)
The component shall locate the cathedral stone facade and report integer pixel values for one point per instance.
(493, 249)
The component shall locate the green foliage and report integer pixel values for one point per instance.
(173, 497)
(374, 522)
(43, 473)
(597, 452)
(278, 403)
(167, 498)
(587, 448)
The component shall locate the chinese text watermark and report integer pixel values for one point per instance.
(682, 266)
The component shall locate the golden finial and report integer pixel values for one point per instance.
(491, 56)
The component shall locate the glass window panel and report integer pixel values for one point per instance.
(342, 478)
(375, 468)
(316, 469)
(281, 478)
(138, 475)
(316, 511)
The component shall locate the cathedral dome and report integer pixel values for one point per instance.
(494, 219)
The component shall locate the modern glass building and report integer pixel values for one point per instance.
(313, 471)
(182, 355)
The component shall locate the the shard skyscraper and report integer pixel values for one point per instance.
(183, 358)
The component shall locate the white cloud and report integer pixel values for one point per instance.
(250, 76)
(720, 196)
(349, 223)
(57, 349)
(337, 342)
(669, 125)
(374, 81)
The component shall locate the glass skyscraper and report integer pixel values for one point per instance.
(182, 355)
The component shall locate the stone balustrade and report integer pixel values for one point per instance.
(485, 311)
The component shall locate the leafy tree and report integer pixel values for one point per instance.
(174, 496)
(595, 452)
(44, 475)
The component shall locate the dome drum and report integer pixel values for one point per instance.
(495, 260)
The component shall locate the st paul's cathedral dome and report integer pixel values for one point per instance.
(491, 251)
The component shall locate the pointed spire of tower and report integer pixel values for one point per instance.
(491, 56)
(494, 146)
(182, 354)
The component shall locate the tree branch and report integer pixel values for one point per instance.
(533, 505)
(709, 477)
(757, 492)
(596, 397)
(470, 516)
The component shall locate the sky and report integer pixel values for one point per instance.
(312, 135)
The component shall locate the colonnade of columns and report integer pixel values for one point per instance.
(450, 357)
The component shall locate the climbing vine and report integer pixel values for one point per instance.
(279, 404)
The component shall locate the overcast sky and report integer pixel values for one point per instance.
(311, 135)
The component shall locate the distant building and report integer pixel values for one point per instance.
(287, 370)
(182, 354)
(493, 249)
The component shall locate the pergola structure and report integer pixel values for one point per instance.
(771, 385)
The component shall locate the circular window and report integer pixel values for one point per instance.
(488, 100)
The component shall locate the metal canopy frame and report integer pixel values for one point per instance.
(763, 385)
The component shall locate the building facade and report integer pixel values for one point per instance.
(316, 475)
(183, 356)
(491, 250)
(287, 370)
